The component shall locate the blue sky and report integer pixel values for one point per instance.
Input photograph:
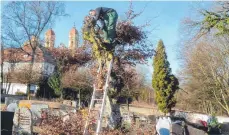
(165, 17)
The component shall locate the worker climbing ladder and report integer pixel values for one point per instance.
(99, 95)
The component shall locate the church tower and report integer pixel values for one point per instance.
(50, 39)
(73, 39)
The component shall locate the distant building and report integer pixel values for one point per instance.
(50, 39)
(19, 59)
(73, 39)
(13, 88)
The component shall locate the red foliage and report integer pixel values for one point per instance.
(129, 34)
(68, 58)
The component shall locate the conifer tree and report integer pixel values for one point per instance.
(54, 82)
(164, 82)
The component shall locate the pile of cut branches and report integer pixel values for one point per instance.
(75, 126)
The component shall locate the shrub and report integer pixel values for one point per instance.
(20, 93)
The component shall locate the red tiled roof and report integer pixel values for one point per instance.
(24, 54)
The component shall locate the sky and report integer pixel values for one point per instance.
(165, 17)
(165, 22)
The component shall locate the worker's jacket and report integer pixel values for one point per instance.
(100, 13)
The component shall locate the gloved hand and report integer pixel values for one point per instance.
(93, 21)
(96, 29)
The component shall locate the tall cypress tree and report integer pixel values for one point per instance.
(164, 82)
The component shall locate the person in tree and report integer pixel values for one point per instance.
(108, 18)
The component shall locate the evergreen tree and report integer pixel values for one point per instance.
(164, 83)
(54, 82)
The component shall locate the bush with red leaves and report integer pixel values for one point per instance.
(67, 58)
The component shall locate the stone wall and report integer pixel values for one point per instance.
(195, 117)
(140, 110)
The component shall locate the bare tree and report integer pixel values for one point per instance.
(81, 80)
(126, 83)
(66, 61)
(205, 73)
(24, 23)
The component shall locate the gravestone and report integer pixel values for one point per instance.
(12, 107)
(22, 121)
(68, 108)
(152, 118)
(195, 131)
(126, 118)
(62, 111)
(74, 104)
(9, 100)
(225, 128)
(177, 128)
(115, 116)
(36, 109)
(67, 102)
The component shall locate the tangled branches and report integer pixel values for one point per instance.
(129, 34)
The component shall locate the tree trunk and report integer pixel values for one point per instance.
(127, 103)
(2, 67)
(44, 93)
(28, 91)
(61, 94)
(31, 70)
(61, 87)
(79, 100)
(8, 87)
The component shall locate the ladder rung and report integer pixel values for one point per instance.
(98, 99)
(94, 110)
(99, 89)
